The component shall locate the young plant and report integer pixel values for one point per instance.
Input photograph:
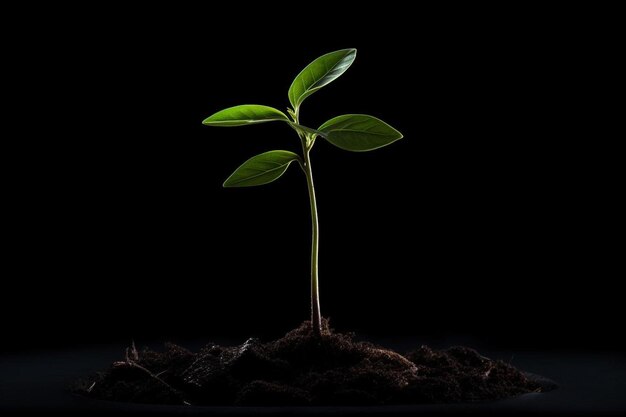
(352, 132)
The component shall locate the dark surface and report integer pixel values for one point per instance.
(588, 383)
(301, 369)
(499, 193)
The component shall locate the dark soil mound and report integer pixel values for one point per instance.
(301, 369)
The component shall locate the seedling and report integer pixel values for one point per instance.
(352, 132)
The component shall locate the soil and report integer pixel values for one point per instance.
(301, 369)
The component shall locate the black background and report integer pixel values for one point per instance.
(486, 221)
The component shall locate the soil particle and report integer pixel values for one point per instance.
(301, 369)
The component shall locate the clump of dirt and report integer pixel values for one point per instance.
(302, 369)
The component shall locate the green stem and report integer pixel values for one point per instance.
(316, 318)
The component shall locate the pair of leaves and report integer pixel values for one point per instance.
(314, 76)
(352, 132)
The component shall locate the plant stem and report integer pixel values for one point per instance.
(316, 318)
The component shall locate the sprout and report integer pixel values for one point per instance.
(352, 132)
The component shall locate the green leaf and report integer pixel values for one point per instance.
(318, 73)
(261, 169)
(359, 132)
(245, 114)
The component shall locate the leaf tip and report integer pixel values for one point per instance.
(351, 51)
(210, 121)
(228, 182)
